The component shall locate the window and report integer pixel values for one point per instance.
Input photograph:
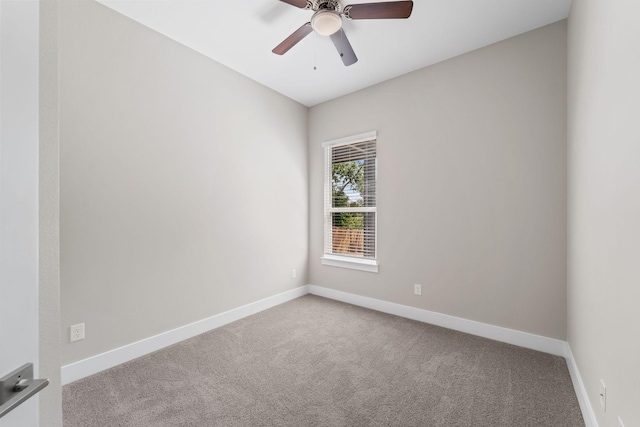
(350, 203)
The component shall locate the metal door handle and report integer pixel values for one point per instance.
(17, 387)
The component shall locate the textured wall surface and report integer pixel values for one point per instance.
(471, 184)
(49, 221)
(183, 184)
(604, 203)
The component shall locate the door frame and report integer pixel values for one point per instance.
(29, 203)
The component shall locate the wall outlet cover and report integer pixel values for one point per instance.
(417, 289)
(76, 332)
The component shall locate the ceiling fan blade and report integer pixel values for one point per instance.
(345, 50)
(293, 39)
(384, 10)
(302, 4)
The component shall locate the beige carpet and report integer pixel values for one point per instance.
(317, 362)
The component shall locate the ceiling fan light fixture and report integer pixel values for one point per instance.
(326, 22)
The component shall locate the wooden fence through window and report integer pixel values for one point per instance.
(348, 241)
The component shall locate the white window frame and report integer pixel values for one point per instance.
(334, 260)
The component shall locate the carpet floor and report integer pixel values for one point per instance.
(318, 362)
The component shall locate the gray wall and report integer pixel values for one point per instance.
(183, 184)
(49, 218)
(176, 174)
(604, 203)
(472, 184)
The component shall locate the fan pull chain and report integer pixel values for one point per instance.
(315, 51)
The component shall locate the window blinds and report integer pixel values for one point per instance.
(350, 197)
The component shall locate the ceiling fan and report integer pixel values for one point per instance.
(327, 21)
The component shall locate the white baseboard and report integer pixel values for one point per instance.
(100, 362)
(109, 359)
(510, 336)
(588, 415)
(498, 333)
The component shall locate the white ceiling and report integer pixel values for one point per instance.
(241, 34)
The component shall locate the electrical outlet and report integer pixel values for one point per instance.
(620, 422)
(603, 396)
(417, 289)
(293, 274)
(76, 332)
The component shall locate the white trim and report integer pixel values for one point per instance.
(588, 415)
(109, 359)
(498, 333)
(370, 265)
(100, 362)
(330, 258)
(367, 136)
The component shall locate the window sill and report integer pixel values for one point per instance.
(369, 265)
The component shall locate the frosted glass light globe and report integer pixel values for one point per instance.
(326, 22)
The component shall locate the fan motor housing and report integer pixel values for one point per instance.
(327, 5)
